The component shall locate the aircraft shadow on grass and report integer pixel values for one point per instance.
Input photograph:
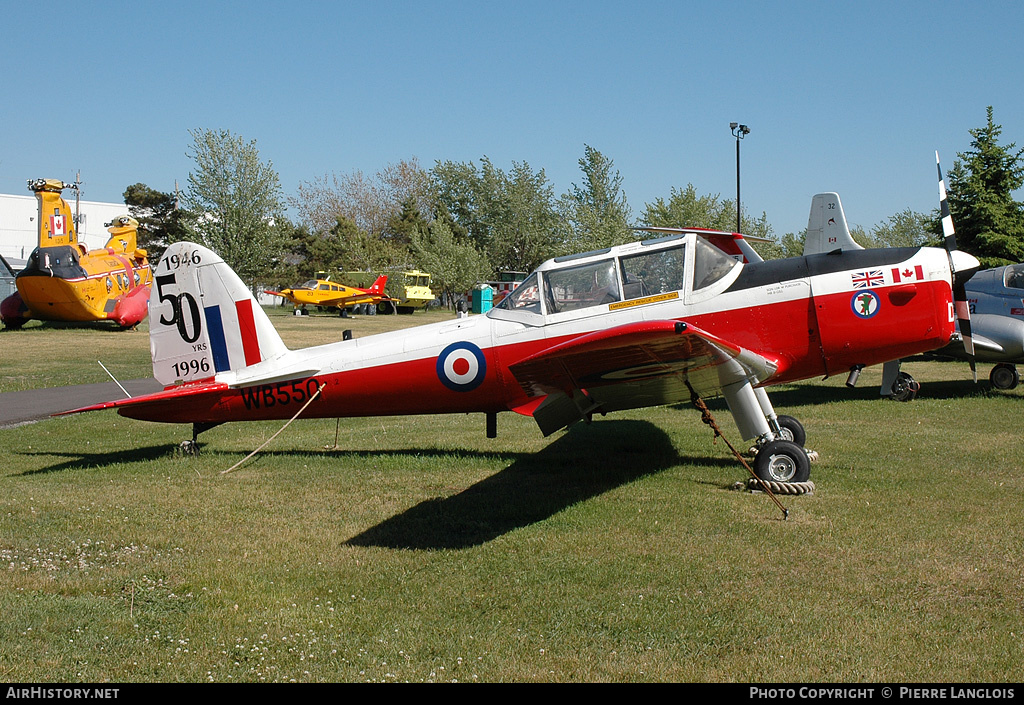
(798, 395)
(584, 463)
(80, 460)
(810, 395)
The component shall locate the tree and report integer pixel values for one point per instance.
(597, 212)
(364, 252)
(905, 229)
(989, 222)
(455, 264)
(510, 217)
(312, 252)
(370, 202)
(407, 222)
(235, 202)
(685, 209)
(161, 222)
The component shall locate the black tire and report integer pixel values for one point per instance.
(1004, 376)
(905, 387)
(782, 461)
(792, 430)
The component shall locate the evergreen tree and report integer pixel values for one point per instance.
(407, 222)
(161, 222)
(989, 222)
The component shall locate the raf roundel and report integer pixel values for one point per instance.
(461, 367)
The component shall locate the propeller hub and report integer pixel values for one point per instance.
(964, 265)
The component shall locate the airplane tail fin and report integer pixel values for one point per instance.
(204, 320)
(378, 285)
(124, 237)
(56, 223)
(827, 230)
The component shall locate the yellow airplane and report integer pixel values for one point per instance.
(323, 292)
(65, 281)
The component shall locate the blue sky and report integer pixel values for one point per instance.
(846, 97)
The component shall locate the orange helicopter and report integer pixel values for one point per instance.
(65, 281)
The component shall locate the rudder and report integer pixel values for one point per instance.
(378, 285)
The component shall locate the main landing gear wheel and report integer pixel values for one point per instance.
(905, 387)
(782, 461)
(1004, 376)
(791, 430)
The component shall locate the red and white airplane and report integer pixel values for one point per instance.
(637, 325)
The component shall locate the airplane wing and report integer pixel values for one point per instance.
(635, 365)
(359, 297)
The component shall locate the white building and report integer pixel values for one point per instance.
(19, 229)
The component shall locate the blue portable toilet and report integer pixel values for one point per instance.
(483, 298)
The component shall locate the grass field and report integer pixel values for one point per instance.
(419, 550)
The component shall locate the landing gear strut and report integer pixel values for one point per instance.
(780, 453)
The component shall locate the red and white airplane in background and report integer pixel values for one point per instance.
(642, 324)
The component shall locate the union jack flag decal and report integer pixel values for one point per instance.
(865, 280)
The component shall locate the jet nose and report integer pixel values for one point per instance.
(964, 266)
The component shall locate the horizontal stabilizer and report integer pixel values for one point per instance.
(171, 395)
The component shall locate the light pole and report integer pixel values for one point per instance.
(739, 131)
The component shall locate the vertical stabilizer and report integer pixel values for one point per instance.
(826, 227)
(203, 318)
(378, 286)
(56, 224)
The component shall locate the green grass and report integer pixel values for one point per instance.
(419, 550)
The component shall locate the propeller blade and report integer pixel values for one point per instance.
(960, 276)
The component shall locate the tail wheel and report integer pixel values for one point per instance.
(1004, 376)
(782, 461)
(791, 430)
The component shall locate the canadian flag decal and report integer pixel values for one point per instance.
(900, 274)
(56, 224)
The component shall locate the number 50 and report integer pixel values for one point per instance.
(195, 322)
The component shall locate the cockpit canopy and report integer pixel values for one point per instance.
(617, 274)
(1013, 276)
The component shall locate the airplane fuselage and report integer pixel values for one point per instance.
(785, 319)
